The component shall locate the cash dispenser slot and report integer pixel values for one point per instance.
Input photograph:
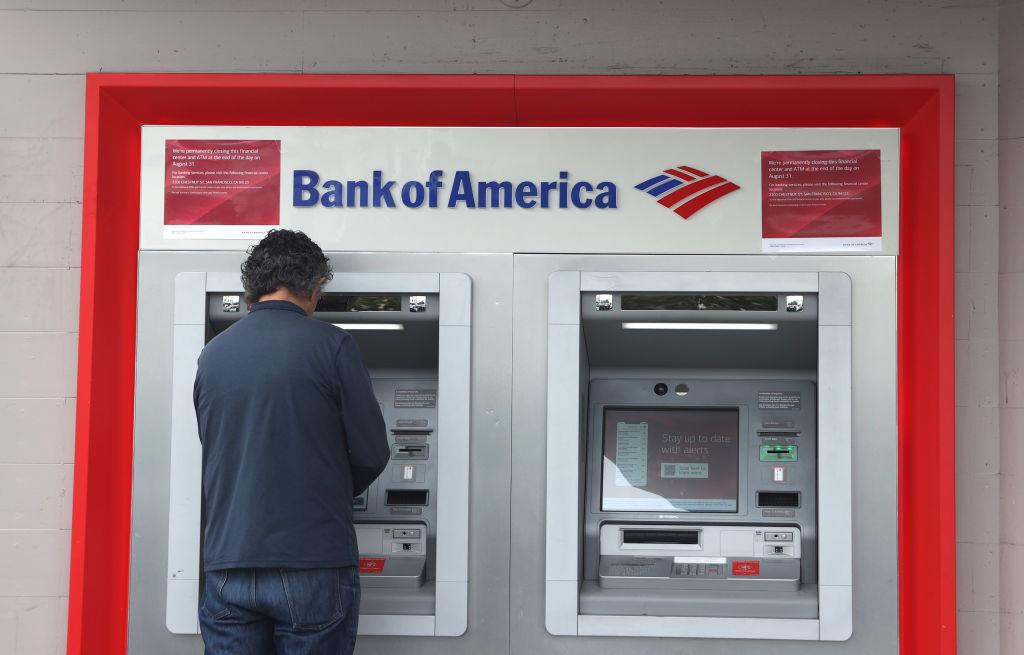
(661, 537)
(778, 499)
(418, 497)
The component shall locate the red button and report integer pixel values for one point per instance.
(371, 565)
(746, 567)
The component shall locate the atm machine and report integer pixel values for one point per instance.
(414, 331)
(699, 488)
(396, 518)
(708, 417)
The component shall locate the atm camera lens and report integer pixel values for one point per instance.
(661, 388)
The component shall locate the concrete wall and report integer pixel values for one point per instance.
(1011, 322)
(46, 46)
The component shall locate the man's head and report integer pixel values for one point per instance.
(286, 265)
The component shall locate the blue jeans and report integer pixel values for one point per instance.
(280, 611)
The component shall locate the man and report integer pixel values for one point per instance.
(291, 432)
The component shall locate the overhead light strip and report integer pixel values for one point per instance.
(370, 326)
(700, 326)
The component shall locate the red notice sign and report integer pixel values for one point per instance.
(221, 183)
(746, 567)
(821, 200)
(372, 565)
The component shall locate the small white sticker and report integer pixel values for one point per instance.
(778, 400)
(415, 398)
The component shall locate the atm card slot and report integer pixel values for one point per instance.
(780, 434)
(778, 453)
(410, 451)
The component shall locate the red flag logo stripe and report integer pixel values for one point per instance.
(691, 207)
(680, 174)
(687, 190)
(691, 169)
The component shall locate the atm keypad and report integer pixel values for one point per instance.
(684, 570)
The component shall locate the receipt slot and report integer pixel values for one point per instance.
(411, 524)
(708, 416)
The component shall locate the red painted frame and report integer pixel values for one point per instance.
(117, 105)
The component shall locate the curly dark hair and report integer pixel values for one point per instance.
(288, 259)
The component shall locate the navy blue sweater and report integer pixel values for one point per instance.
(291, 431)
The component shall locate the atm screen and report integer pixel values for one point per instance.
(679, 459)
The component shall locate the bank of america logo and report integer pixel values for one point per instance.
(686, 190)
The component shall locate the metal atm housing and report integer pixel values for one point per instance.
(751, 435)
(414, 333)
(396, 518)
(708, 414)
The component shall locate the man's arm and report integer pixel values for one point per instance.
(368, 451)
(195, 404)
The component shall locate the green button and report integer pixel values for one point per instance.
(777, 453)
